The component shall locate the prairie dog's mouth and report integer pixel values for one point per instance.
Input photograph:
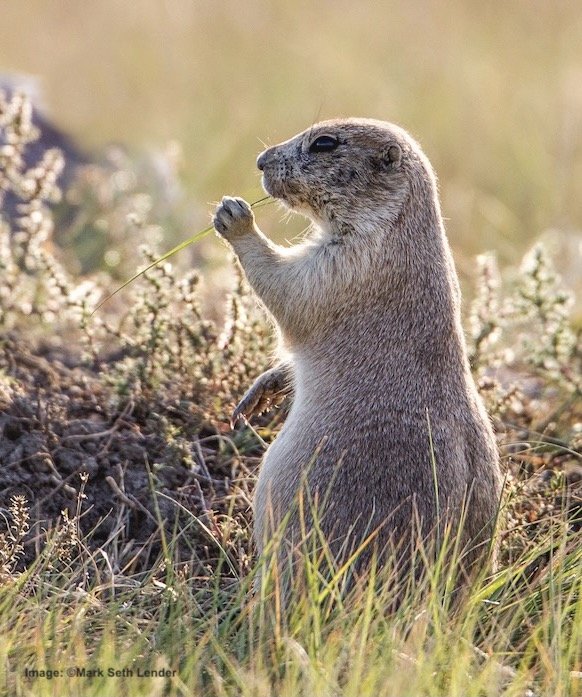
(274, 187)
(267, 186)
(281, 187)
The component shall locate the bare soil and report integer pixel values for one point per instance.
(66, 445)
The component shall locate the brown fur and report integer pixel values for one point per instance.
(368, 312)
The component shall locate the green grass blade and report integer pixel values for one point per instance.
(178, 248)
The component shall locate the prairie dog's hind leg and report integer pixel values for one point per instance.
(268, 391)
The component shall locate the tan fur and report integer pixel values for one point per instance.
(368, 312)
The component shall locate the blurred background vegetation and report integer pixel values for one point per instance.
(493, 91)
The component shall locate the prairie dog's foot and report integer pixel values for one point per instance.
(233, 218)
(268, 391)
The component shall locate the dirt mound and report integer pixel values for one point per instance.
(127, 469)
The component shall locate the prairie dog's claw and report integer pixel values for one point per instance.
(268, 391)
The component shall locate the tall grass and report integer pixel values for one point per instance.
(516, 633)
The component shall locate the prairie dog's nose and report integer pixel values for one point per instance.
(263, 158)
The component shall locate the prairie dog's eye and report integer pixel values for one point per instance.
(324, 144)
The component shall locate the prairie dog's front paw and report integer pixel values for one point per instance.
(233, 218)
(268, 391)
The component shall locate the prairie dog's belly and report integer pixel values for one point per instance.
(289, 461)
(366, 466)
(350, 465)
(283, 465)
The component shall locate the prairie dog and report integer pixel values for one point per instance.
(386, 431)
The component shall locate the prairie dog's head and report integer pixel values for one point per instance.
(345, 173)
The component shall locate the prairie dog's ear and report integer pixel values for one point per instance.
(392, 156)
